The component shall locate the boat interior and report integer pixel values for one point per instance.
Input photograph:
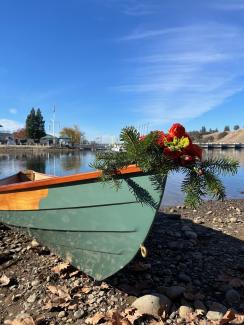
(24, 176)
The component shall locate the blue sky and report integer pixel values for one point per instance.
(106, 64)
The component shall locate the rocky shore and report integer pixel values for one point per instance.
(193, 274)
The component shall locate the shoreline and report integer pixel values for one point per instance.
(195, 262)
(36, 148)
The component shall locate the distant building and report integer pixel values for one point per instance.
(6, 138)
(64, 141)
(48, 140)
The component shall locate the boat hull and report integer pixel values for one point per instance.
(90, 224)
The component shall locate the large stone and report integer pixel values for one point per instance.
(232, 297)
(184, 311)
(154, 305)
(174, 292)
(216, 311)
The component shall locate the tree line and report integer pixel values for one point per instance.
(35, 129)
(197, 136)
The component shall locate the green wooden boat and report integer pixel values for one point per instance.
(88, 223)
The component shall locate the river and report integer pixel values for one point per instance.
(74, 162)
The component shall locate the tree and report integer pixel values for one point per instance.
(227, 128)
(40, 125)
(20, 134)
(30, 124)
(74, 133)
(35, 125)
(236, 127)
(203, 130)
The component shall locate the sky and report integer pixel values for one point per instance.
(106, 64)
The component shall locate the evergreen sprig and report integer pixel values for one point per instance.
(201, 178)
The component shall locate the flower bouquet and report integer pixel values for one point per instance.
(159, 154)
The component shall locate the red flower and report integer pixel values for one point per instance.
(186, 159)
(169, 137)
(142, 137)
(171, 153)
(160, 138)
(177, 130)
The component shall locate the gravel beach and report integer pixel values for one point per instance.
(193, 274)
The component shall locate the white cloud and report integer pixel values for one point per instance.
(187, 74)
(13, 110)
(135, 7)
(140, 34)
(10, 125)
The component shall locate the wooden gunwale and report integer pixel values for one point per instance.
(132, 169)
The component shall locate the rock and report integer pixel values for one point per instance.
(186, 228)
(34, 243)
(61, 314)
(7, 322)
(183, 277)
(31, 298)
(174, 292)
(216, 311)
(35, 283)
(184, 311)
(209, 212)
(191, 234)
(198, 220)
(78, 314)
(172, 210)
(130, 299)
(232, 297)
(200, 308)
(154, 305)
(233, 219)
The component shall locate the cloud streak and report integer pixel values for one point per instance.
(10, 125)
(187, 74)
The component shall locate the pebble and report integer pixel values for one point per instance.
(34, 243)
(200, 308)
(216, 311)
(191, 234)
(233, 219)
(78, 314)
(209, 212)
(198, 220)
(152, 304)
(32, 298)
(35, 283)
(61, 314)
(174, 292)
(184, 311)
(186, 228)
(183, 277)
(232, 297)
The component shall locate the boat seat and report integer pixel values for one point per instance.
(31, 175)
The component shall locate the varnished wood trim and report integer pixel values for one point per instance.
(63, 179)
(23, 200)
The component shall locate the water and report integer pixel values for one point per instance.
(74, 162)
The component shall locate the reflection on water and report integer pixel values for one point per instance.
(66, 163)
(61, 163)
(234, 184)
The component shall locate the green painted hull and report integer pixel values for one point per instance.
(93, 226)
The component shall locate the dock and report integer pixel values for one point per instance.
(221, 145)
